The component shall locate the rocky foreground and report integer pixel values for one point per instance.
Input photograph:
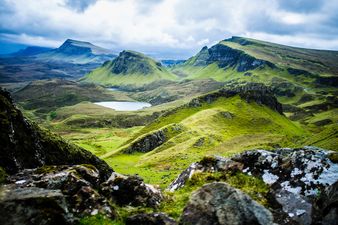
(45, 180)
(303, 187)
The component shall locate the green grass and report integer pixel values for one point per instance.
(139, 70)
(100, 141)
(252, 126)
(175, 201)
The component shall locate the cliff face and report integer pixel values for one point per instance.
(227, 57)
(25, 145)
(251, 92)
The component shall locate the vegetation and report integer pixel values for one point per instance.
(129, 68)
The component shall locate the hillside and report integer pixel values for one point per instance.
(129, 68)
(304, 80)
(45, 96)
(247, 59)
(28, 51)
(222, 123)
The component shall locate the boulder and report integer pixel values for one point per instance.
(207, 164)
(150, 219)
(131, 190)
(219, 204)
(53, 195)
(148, 142)
(327, 206)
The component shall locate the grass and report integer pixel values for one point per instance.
(175, 201)
(140, 70)
(100, 141)
(205, 131)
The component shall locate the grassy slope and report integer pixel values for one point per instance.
(314, 61)
(252, 126)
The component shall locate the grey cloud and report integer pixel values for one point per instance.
(303, 6)
(79, 5)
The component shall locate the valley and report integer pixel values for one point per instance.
(156, 120)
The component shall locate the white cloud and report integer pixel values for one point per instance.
(166, 25)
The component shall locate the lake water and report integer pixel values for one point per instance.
(124, 106)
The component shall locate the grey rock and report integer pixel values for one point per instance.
(207, 164)
(220, 204)
(227, 57)
(147, 143)
(131, 190)
(53, 195)
(150, 219)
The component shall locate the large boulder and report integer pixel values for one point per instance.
(219, 204)
(131, 190)
(297, 179)
(52, 195)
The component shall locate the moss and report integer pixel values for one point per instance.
(45, 169)
(3, 175)
(208, 160)
(175, 202)
(333, 157)
(98, 220)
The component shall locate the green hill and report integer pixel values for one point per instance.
(223, 123)
(129, 68)
(249, 59)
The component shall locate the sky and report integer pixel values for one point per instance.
(173, 29)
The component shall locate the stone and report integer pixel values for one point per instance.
(150, 219)
(148, 142)
(53, 195)
(207, 164)
(219, 204)
(131, 190)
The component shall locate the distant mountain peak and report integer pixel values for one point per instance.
(78, 47)
(131, 62)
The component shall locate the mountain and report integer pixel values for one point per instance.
(129, 68)
(73, 51)
(29, 51)
(73, 59)
(304, 80)
(245, 58)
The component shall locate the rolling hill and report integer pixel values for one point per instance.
(222, 122)
(129, 68)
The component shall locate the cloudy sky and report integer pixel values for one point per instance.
(167, 28)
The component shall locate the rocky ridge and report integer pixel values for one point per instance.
(227, 57)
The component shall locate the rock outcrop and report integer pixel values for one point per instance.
(251, 92)
(219, 204)
(52, 195)
(150, 219)
(227, 57)
(131, 190)
(24, 145)
(147, 143)
(297, 179)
